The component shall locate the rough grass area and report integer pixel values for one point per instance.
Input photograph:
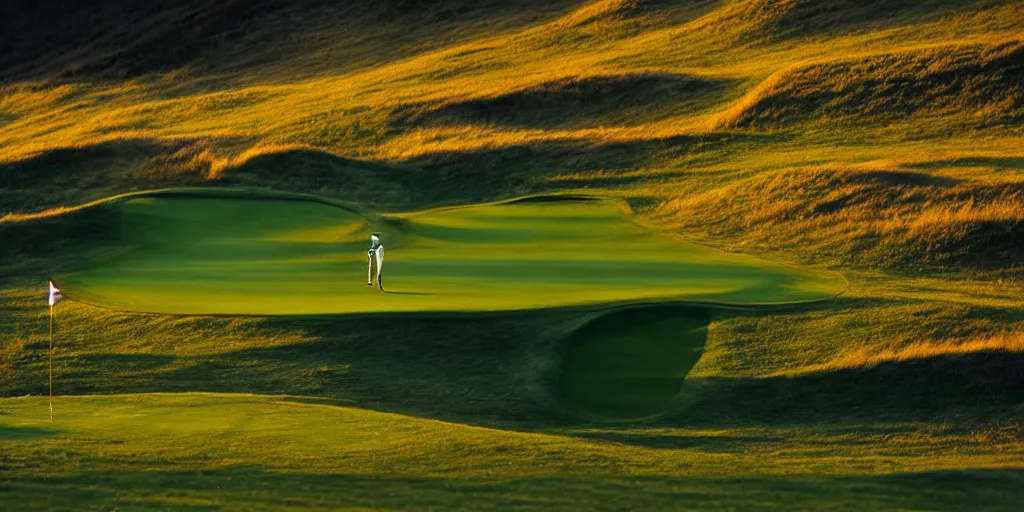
(975, 84)
(583, 102)
(131, 38)
(902, 218)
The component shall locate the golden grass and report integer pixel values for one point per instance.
(514, 61)
(927, 222)
(28, 98)
(210, 162)
(863, 211)
(867, 357)
(965, 79)
(222, 123)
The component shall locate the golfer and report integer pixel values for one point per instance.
(376, 252)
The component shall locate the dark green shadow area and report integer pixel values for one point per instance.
(255, 488)
(981, 384)
(16, 433)
(631, 363)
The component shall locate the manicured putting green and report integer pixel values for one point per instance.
(631, 363)
(218, 255)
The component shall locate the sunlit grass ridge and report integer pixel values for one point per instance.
(939, 86)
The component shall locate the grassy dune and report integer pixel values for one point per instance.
(880, 140)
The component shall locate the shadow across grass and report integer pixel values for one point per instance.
(998, 163)
(48, 246)
(541, 167)
(72, 176)
(478, 369)
(834, 17)
(95, 40)
(945, 386)
(632, 362)
(115, 485)
(15, 433)
(325, 174)
(680, 440)
(127, 363)
(504, 371)
(580, 102)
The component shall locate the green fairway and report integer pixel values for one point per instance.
(204, 451)
(217, 255)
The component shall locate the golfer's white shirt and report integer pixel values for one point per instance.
(376, 252)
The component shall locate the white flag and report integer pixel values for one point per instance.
(55, 295)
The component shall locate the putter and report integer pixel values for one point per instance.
(369, 268)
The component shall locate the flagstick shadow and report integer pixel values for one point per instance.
(389, 292)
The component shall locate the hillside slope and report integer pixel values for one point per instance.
(69, 40)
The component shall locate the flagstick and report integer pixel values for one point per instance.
(51, 364)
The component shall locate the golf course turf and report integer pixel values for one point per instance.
(209, 254)
(638, 255)
(229, 252)
(631, 363)
(204, 451)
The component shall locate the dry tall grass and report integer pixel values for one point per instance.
(746, 120)
(975, 83)
(867, 357)
(875, 217)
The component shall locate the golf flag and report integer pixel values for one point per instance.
(55, 295)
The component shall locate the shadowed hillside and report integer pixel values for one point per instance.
(72, 175)
(584, 102)
(975, 86)
(765, 21)
(899, 217)
(69, 39)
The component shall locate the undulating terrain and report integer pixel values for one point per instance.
(859, 163)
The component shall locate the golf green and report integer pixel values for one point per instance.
(282, 256)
